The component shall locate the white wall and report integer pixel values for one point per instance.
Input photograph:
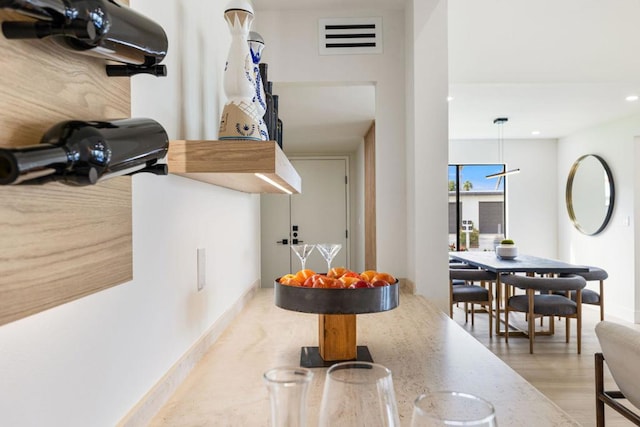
(291, 40)
(532, 198)
(427, 142)
(86, 363)
(614, 248)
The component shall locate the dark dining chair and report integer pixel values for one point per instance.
(620, 349)
(590, 296)
(540, 300)
(462, 289)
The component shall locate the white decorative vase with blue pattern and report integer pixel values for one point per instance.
(256, 45)
(240, 118)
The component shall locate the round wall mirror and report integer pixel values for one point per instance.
(590, 194)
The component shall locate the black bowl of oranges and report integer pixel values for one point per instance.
(340, 291)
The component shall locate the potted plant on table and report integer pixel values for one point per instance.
(507, 249)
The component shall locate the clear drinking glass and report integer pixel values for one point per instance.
(358, 394)
(288, 395)
(451, 408)
(303, 251)
(328, 252)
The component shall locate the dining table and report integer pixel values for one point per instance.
(530, 264)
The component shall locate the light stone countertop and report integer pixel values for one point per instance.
(425, 350)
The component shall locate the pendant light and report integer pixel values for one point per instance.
(501, 121)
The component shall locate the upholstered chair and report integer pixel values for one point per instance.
(540, 300)
(620, 349)
(462, 289)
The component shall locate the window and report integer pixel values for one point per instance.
(476, 207)
(452, 218)
(491, 217)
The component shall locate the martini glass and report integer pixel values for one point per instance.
(303, 251)
(328, 251)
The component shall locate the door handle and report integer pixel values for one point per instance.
(283, 241)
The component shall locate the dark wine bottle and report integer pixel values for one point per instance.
(275, 119)
(269, 115)
(280, 131)
(82, 153)
(101, 28)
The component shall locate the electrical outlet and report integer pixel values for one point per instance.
(202, 268)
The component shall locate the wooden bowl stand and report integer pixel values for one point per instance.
(336, 343)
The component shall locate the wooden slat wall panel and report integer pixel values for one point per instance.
(58, 243)
(370, 248)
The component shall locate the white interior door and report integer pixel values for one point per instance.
(275, 223)
(318, 215)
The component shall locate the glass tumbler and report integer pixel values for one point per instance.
(288, 395)
(451, 408)
(358, 394)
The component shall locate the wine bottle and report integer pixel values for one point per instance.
(83, 152)
(269, 115)
(101, 28)
(274, 118)
(280, 131)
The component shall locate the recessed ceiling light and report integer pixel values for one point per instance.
(449, 98)
(632, 98)
(535, 132)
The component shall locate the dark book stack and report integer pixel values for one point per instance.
(271, 119)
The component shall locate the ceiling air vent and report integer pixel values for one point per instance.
(340, 36)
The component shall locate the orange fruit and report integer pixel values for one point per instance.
(385, 277)
(290, 279)
(336, 272)
(311, 281)
(348, 281)
(368, 275)
(334, 283)
(286, 276)
(303, 275)
(350, 273)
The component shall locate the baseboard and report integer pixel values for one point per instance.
(407, 286)
(155, 399)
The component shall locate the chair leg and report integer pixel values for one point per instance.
(531, 322)
(490, 309)
(579, 320)
(601, 299)
(473, 314)
(451, 299)
(466, 312)
(506, 321)
(567, 329)
(599, 358)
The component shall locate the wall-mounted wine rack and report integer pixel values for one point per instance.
(58, 243)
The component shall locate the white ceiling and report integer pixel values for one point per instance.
(324, 118)
(326, 4)
(553, 66)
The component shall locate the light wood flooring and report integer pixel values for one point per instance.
(564, 376)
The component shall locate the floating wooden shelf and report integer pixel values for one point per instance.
(234, 164)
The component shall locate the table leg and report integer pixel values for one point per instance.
(337, 343)
(337, 336)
